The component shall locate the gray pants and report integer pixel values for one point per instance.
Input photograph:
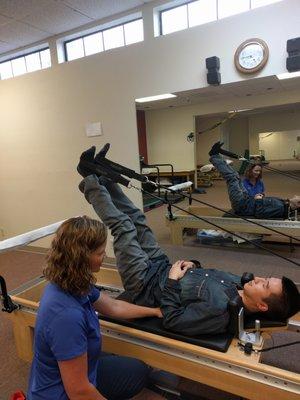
(134, 242)
(236, 191)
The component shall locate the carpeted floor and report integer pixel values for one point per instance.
(20, 266)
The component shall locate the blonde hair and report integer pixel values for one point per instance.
(68, 257)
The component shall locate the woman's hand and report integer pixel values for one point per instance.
(158, 312)
(258, 196)
(179, 269)
(110, 307)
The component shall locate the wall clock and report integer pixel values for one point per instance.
(251, 56)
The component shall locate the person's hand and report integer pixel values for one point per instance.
(258, 196)
(179, 269)
(188, 264)
(158, 312)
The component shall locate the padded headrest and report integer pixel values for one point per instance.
(234, 307)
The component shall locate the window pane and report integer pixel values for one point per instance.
(6, 70)
(260, 3)
(18, 66)
(113, 37)
(231, 7)
(201, 12)
(174, 20)
(75, 49)
(93, 43)
(45, 58)
(33, 62)
(134, 32)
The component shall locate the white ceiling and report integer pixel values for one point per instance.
(24, 22)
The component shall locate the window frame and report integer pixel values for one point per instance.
(65, 42)
(186, 3)
(172, 8)
(4, 60)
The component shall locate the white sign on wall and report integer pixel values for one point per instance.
(93, 129)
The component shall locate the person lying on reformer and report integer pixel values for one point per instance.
(244, 204)
(193, 300)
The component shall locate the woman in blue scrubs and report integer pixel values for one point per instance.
(253, 181)
(68, 363)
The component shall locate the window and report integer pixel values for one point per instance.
(113, 38)
(232, 7)
(260, 3)
(18, 66)
(174, 20)
(201, 12)
(6, 70)
(93, 43)
(198, 12)
(33, 62)
(75, 49)
(27, 63)
(117, 36)
(45, 58)
(134, 32)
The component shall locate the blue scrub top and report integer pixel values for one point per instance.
(66, 327)
(254, 189)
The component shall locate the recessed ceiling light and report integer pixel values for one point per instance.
(241, 110)
(154, 98)
(288, 75)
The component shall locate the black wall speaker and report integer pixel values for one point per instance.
(293, 49)
(213, 75)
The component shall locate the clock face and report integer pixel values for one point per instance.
(251, 56)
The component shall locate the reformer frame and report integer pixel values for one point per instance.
(233, 371)
(183, 220)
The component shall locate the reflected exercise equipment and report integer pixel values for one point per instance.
(153, 185)
(109, 165)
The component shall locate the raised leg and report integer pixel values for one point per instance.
(236, 191)
(132, 261)
(145, 235)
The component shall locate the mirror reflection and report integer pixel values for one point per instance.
(176, 134)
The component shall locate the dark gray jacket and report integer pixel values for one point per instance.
(196, 304)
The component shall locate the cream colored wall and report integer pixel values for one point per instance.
(43, 114)
(167, 129)
(239, 135)
(271, 122)
(167, 132)
(279, 145)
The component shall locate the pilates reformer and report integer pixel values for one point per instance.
(231, 371)
(216, 361)
(189, 218)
